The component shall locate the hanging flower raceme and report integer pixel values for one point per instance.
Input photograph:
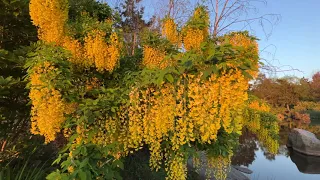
(101, 54)
(197, 29)
(77, 51)
(250, 50)
(176, 166)
(50, 17)
(154, 58)
(232, 98)
(193, 38)
(192, 110)
(48, 107)
(169, 30)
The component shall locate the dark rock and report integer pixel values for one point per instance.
(243, 169)
(234, 174)
(304, 142)
(305, 164)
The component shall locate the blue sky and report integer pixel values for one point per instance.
(294, 42)
(296, 37)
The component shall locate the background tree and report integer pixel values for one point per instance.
(16, 30)
(132, 23)
(303, 88)
(315, 86)
(227, 13)
(277, 92)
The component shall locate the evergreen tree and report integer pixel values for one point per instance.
(132, 23)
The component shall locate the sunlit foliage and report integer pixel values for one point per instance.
(264, 124)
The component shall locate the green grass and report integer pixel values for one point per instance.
(24, 171)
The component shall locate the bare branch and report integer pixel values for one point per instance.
(270, 68)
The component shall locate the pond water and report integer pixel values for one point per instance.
(286, 165)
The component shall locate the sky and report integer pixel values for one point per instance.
(296, 36)
(294, 41)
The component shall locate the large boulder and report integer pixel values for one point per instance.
(304, 142)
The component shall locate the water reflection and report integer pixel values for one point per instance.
(286, 165)
(245, 154)
(305, 164)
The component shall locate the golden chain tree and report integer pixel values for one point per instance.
(185, 95)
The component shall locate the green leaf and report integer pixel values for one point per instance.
(82, 175)
(84, 162)
(57, 161)
(118, 164)
(169, 77)
(159, 80)
(247, 75)
(54, 175)
(243, 67)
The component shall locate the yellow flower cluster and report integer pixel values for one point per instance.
(194, 34)
(252, 120)
(169, 30)
(106, 131)
(250, 47)
(240, 40)
(256, 105)
(176, 167)
(50, 17)
(104, 56)
(151, 117)
(192, 110)
(70, 169)
(201, 15)
(203, 108)
(95, 52)
(110, 130)
(48, 108)
(154, 58)
(252, 115)
(193, 38)
(77, 51)
(232, 96)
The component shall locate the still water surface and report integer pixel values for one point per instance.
(286, 165)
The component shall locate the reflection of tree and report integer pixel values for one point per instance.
(283, 134)
(268, 155)
(245, 153)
